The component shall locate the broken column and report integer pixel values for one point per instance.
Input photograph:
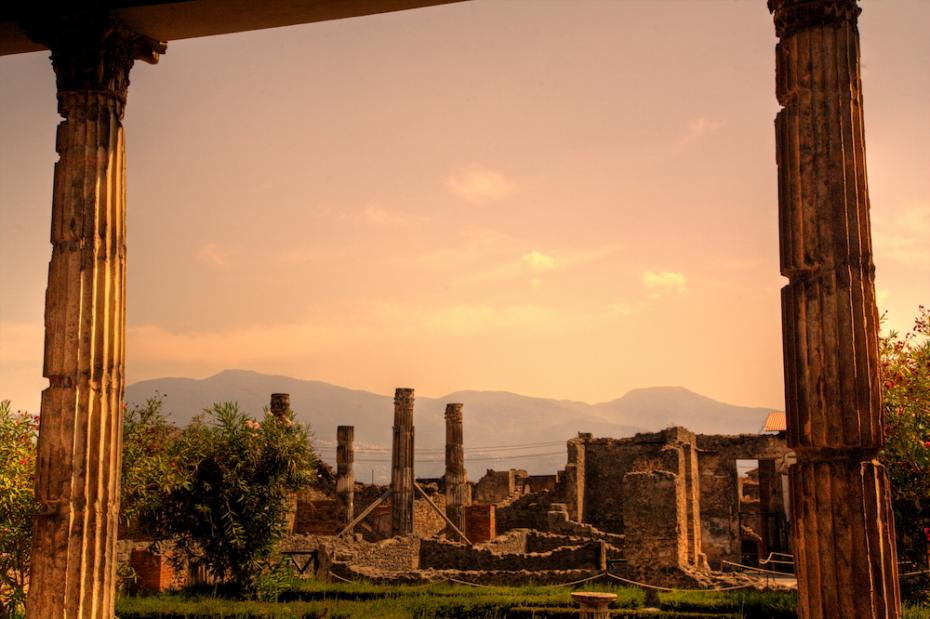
(78, 468)
(345, 475)
(402, 463)
(280, 405)
(458, 491)
(842, 523)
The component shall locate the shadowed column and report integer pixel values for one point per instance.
(280, 404)
(458, 492)
(840, 507)
(78, 467)
(345, 475)
(402, 463)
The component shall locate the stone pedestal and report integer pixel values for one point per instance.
(345, 475)
(402, 463)
(842, 523)
(78, 468)
(593, 604)
(458, 491)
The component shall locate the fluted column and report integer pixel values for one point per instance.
(345, 475)
(78, 468)
(841, 517)
(458, 492)
(402, 463)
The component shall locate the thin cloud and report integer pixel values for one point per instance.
(539, 261)
(479, 185)
(904, 238)
(699, 128)
(212, 254)
(664, 283)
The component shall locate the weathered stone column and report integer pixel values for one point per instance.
(402, 463)
(345, 475)
(78, 468)
(458, 492)
(841, 518)
(280, 404)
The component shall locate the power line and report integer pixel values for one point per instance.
(487, 448)
(467, 459)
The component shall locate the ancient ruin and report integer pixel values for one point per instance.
(667, 508)
(839, 504)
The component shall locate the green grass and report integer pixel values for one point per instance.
(305, 599)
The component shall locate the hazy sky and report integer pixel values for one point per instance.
(562, 199)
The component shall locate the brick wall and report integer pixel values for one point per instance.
(154, 572)
(480, 525)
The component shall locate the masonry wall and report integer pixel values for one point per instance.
(719, 492)
(495, 487)
(608, 460)
(439, 554)
(656, 521)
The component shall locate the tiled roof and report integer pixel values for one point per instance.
(775, 422)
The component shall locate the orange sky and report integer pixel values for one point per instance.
(562, 199)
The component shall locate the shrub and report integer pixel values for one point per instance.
(906, 455)
(18, 432)
(230, 509)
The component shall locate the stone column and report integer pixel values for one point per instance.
(402, 463)
(78, 468)
(458, 492)
(345, 475)
(842, 523)
(280, 404)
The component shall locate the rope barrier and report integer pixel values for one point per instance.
(332, 573)
(659, 588)
(756, 569)
(914, 573)
(470, 584)
(634, 583)
(578, 582)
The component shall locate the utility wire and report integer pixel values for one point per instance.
(515, 457)
(437, 450)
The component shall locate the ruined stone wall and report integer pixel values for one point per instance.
(608, 460)
(317, 516)
(439, 554)
(527, 512)
(719, 490)
(538, 483)
(495, 487)
(426, 522)
(655, 516)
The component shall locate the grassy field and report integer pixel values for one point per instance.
(308, 599)
(315, 599)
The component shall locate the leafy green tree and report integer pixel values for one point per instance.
(231, 508)
(906, 378)
(18, 433)
(151, 468)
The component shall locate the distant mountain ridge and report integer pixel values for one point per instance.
(492, 418)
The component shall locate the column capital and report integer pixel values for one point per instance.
(92, 52)
(792, 16)
(454, 412)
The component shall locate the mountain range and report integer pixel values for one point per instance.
(531, 430)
